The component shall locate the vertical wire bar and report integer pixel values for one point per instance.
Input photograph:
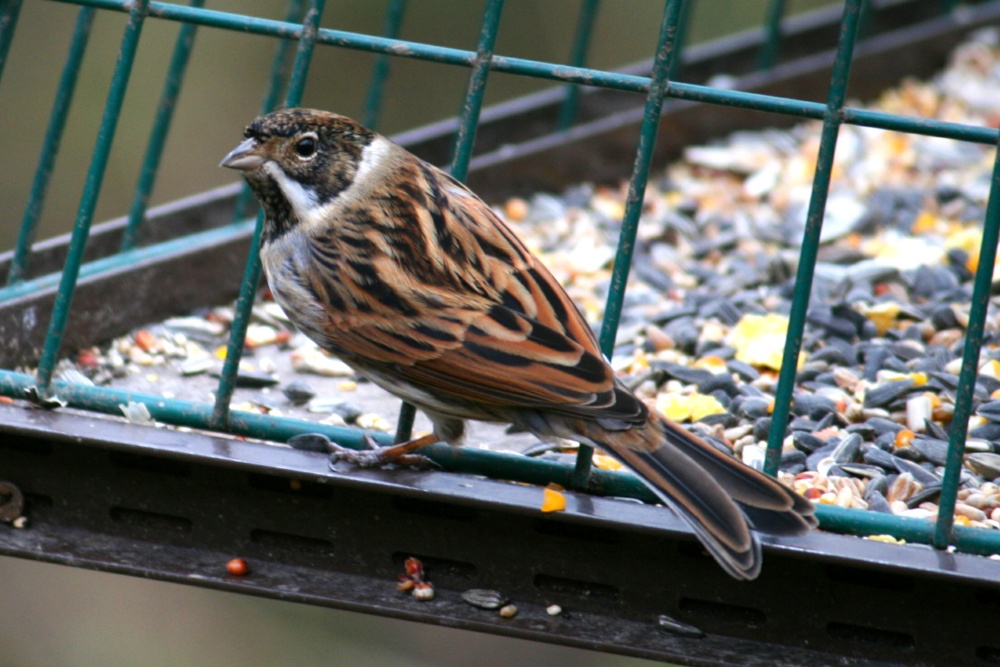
(380, 73)
(275, 89)
(251, 274)
(9, 13)
(578, 58)
(680, 37)
(404, 423)
(161, 128)
(768, 53)
(50, 145)
(659, 80)
(88, 202)
(469, 117)
(814, 225)
(465, 139)
(970, 364)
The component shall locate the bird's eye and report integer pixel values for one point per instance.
(306, 146)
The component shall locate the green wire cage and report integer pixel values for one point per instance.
(174, 504)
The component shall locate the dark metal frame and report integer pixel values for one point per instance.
(177, 506)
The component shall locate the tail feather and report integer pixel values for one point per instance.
(722, 500)
(745, 485)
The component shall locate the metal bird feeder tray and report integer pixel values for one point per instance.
(177, 503)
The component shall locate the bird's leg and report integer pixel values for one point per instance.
(377, 456)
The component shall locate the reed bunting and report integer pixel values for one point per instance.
(410, 278)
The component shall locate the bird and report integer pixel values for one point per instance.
(402, 272)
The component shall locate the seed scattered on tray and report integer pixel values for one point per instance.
(675, 627)
(238, 567)
(508, 611)
(552, 500)
(414, 580)
(484, 598)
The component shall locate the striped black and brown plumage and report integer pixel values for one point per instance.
(401, 271)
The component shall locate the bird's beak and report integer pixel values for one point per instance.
(244, 157)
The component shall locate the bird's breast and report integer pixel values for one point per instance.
(290, 278)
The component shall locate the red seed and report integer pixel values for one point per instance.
(87, 359)
(414, 568)
(238, 567)
(145, 340)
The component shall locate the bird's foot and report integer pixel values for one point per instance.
(376, 456)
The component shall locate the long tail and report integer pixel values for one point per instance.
(722, 499)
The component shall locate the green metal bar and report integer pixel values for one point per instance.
(857, 522)
(238, 331)
(549, 71)
(121, 262)
(275, 89)
(304, 53)
(662, 64)
(161, 128)
(981, 292)
(396, 47)
(91, 191)
(640, 174)
(464, 141)
(199, 415)
(50, 146)
(251, 275)
(810, 239)
(768, 53)
(404, 424)
(9, 13)
(380, 73)
(498, 465)
(680, 37)
(469, 117)
(584, 31)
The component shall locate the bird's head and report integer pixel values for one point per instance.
(298, 161)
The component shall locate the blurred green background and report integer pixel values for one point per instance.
(54, 615)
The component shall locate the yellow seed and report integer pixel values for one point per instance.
(605, 462)
(924, 223)
(553, 501)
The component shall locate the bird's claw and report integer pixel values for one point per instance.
(375, 456)
(378, 456)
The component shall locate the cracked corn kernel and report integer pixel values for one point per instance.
(553, 501)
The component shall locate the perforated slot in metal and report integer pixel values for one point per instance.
(586, 589)
(411, 505)
(154, 464)
(868, 635)
(719, 611)
(290, 542)
(151, 521)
